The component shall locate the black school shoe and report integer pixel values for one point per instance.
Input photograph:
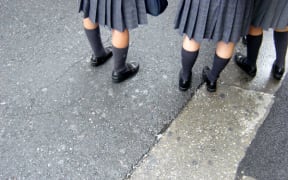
(244, 40)
(184, 85)
(241, 61)
(97, 61)
(211, 86)
(131, 69)
(277, 71)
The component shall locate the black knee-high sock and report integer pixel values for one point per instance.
(94, 38)
(218, 65)
(281, 43)
(120, 55)
(188, 60)
(253, 46)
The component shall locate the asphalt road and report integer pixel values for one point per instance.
(60, 117)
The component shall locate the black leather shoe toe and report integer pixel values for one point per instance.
(211, 86)
(131, 69)
(241, 61)
(97, 61)
(277, 71)
(184, 85)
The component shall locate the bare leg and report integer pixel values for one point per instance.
(190, 44)
(255, 31)
(120, 39)
(282, 30)
(225, 50)
(88, 24)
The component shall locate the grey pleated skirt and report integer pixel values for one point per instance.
(218, 20)
(115, 14)
(270, 14)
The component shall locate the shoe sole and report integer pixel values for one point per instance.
(210, 90)
(94, 64)
(204, 79)
(183, 89)
(277, 77)
(251, 74)
(119, 80)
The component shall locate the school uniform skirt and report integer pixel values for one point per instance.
(270, 14)
(218, 20)
(115, 14)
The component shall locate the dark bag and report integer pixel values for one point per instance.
(156, 7)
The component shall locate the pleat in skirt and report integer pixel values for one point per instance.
(115, 14)
(270, 14)
(218, 20)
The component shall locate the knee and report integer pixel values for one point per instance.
(255, 31)
(190, 44)
(88, 24)
(120, 39)
(117, 33)
(225, 50)
(282, 30)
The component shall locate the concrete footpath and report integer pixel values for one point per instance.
(60, 118)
